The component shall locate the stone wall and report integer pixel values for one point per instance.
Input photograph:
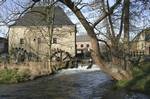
(36, 39)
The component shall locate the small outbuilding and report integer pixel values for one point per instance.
(141, 43)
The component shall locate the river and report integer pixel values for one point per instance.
(78, 83)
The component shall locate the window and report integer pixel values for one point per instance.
(39, 40)
(21, 41)
(82, 45)
(34, 40)
(87, 45)
(54, 40)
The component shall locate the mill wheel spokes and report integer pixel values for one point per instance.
(60, 56)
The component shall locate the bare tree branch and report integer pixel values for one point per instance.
(104, 42)
(121, 23)
(2, 1)
(107, 13)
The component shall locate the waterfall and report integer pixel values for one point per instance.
(81, 68)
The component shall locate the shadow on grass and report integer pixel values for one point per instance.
(141, 81)
(147, 87)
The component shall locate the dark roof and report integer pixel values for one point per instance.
(37, 17)
(83, 38)
(2, 39)
(147, 36)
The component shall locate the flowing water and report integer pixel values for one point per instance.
(80, 83)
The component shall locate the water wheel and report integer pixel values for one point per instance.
(61, 60)
(60, 56)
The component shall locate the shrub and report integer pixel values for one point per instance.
(140, 81)
(13, 76)
(121, 84)
(136, 71)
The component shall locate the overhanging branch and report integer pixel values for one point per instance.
(111, 10)
(104, 42)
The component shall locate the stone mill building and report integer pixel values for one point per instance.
(32, 32)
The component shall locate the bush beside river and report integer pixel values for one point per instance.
(140, 81)
(14, 73)
(137, 88)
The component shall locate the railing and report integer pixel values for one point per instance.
(137, 53)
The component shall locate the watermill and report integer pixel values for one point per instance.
(62, 59)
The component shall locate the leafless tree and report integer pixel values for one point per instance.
(116, 27)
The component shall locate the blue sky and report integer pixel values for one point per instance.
(9, 6)
(6, 10)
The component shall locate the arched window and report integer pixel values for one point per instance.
(87, 45)
(82, 45)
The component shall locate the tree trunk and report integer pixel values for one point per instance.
(126, 31)
(116, 73)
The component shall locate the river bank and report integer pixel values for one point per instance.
(124, 94)
(76, 83)
(137, 88)
(140, 81)
(15, 73)
(71, 84)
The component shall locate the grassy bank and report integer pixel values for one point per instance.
(14, 73)
(140, 81)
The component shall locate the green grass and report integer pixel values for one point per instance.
(140, 81)
(13, 76)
